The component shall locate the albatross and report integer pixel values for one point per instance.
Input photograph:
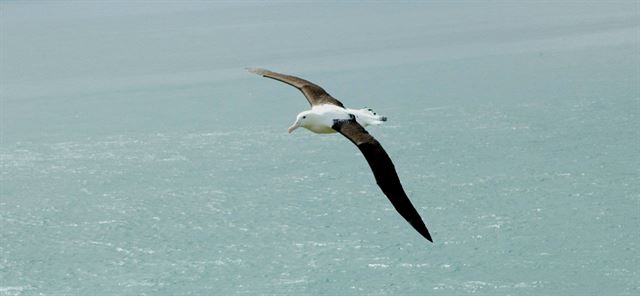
(328, 115)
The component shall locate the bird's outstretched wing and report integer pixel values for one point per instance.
(383, 171)
(314, 93)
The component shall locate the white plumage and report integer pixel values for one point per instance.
(321, 118)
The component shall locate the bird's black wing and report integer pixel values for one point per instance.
(383, 171)
(314, 93)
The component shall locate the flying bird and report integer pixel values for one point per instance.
(328, 115)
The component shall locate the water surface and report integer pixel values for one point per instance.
(138, 157)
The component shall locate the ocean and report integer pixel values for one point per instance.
(139, 157)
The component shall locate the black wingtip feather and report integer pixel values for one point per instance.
(422, 229)
(428, 236)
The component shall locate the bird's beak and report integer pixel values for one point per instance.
(293, 127)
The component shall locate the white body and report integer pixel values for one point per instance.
(321, 118)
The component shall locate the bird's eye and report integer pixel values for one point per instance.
(374, 113)
(303, 117)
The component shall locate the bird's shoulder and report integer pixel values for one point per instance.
(328, 109)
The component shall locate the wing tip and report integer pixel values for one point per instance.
(422, 229)
(258, 71)
(427, 236)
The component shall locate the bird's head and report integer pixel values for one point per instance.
(301, 121)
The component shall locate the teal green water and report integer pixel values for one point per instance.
(139, 158)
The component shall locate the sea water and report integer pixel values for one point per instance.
(140, 158)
